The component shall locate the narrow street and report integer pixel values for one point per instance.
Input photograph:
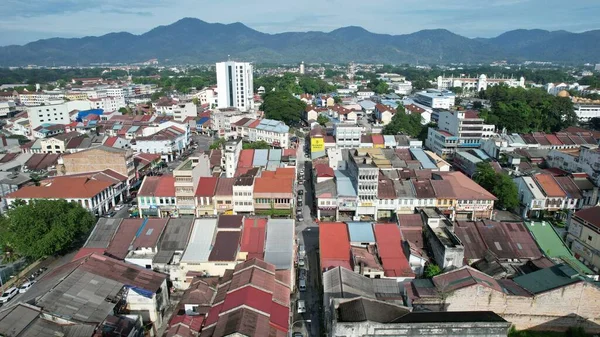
(307, 232)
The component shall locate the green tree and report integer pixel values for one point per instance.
(195, 100)
(123, 110)
(432, 270)
(406, 123)
(499, 184)
(282, 106)
(217, 144)
(261, 144)
(322, 119)
(595, 123)
(45, 227)
(337, 99)
(457, 90)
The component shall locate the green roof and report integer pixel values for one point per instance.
(548, 278)
(553, 246)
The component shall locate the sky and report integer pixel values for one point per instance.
(24, 21)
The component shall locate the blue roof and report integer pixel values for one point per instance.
(84, 113)
(481, 154)
(389, 140)
(275, 155)
(366, 104)
(117, 127)
(420, 155)
(344, 185)
(273, 126)
(260, 157)
(361, 232)
(202, 120)
(133, 128)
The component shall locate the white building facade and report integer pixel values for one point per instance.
(235, 85)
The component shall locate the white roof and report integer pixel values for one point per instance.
(279, 244)
(533, 187)
(200, 244)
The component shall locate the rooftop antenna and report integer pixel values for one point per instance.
(228, 59)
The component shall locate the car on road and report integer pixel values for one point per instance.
(25, 286)
(111, 214)
(302, 274)
(119, 207)
(9, 294)
(301, 250)
(301, 192)
(301, 262)
(300, 218)
(297, 334)
(301, 306)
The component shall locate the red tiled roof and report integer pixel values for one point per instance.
(119, 246)
(110, 141)
(552, 139)
(148, 237)
(207, 186)
(377, 139)
(254, 124)
(249, 296)
(246, 157)
(323, 170)
(414, 109)
(549, 185)
(389, 246)
(334, 244)
(465, 277)
(410, 220)
(253, 237)
(274, 185)
(87, 251)
(62, 188)
(158, 186)
(471, 114)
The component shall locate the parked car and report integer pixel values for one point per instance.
(119, 207)
(297, 334)
(25, 286)
(301, 192)
(111, 214)
(9, 294)
(302, 274)
(301, 306)
(301, 263)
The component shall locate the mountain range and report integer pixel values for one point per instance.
(192, 40)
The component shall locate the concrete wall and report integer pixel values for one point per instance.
(420, 329)
(573, 305)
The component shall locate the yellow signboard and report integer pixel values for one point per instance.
(317, 145)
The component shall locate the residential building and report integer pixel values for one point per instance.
(156, 197)
(98, 159)
(144, 246)
(222, 121)
(436, 99)
(447, 249)
(477, 84)
(205, 193)
(586, 159)
(187, 175)
(172, 244)
(553, 298)
(243, 188)
(274, 133)
(11, 182)
(235, 85)
(7, 109)
(55, 113)
(97, 196)
(232, 151)
(274, 192)
(583, 236)
(362, 166)
(119, 288)
(179, 110)
(458, 130)
(347, 136)
(531, 197)
(224, 196)
(107, 103)
(384, 113)
(169, 143)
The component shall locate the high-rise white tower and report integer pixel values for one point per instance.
(235, 85)
(302, 68)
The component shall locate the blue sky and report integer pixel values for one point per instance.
(26, 20)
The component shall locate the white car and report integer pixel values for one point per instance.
(119, 207)
(9, 294)
(25, 286)
(301, 307)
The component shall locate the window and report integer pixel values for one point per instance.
(589, 238)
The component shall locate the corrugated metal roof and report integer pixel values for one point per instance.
(389, 141)
(198, 249)
(279, 243)
(420, 155)
(334, 245)
(344, 185)
(468, 156)
(275, 155)
(361, 232)
(261, 157)
(226, 246)
(481, 154)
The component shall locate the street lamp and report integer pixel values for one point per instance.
(298, 321)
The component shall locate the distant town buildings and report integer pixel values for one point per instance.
(477, 84)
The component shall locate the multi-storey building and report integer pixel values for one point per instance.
(362, 166)
(235, 85)
(169, 143)
(156, 197)
(232, 155)
(583, 236)
(458, 130)
(54, 113)
(477, 84)
(436, 99)
(587, 160)
(347, 135)
(187, 176)
(243, 187)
